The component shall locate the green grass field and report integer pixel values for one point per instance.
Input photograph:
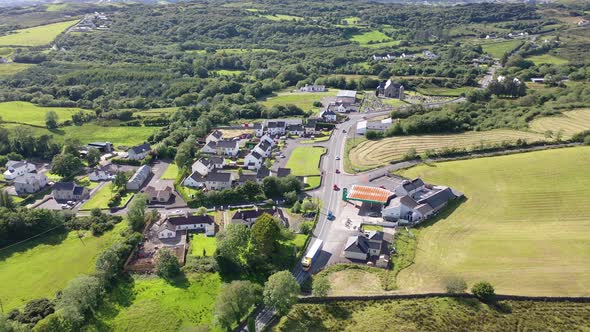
(394, 102)
(152, 304)
(226, 72)
(305, 160)
(523, 226)
(231, 51)
(56, 7)
(312, 182)
(571, 122)
(102, 197)
(437, 314)
(373, 38)
(119, 135)
(171, 172)
(303, 100)
(11, 68)
(41, 267)
(456, 92)
(547, 59)
(369, 154)
(281, 17)
(24, 112)
(165, 111)
(498, 49)
(36, 36)
(200, 242)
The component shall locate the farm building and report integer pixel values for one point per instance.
(346, 97)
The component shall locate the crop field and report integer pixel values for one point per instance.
(27, 113)
(119, 135)
(102, 197)
(523, 226)
(571, 122)
(547, 59)
(200, 242)
(36, 36)
(303, 100)
(153, 304)
(498, 49)
(437, 314)
(305, 160)
(11, 68)
(41, 267)
(370, 153)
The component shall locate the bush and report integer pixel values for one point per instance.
(484, 291)
(456, 285)
(167, 266)
(306, 227)
(201, 264)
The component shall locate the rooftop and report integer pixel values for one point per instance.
(369, 194)
(346, 93)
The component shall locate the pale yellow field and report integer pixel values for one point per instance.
(571, 123)
(377, 153)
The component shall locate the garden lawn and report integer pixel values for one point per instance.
(524, 226)
(303, 100)
(102, 197)
(43, 266)
(305, 160)
(171, 172)
(498, 49)
(312, 182)
(27, 113)
(155, 305)
(200, 242)
(36, 36)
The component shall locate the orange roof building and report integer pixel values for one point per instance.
(367, 194)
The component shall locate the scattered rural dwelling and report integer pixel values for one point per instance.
(363, 126)
(253, 160)
(328, 116)
(364, 246)
(101, 174)
(188, 222)
(212, 181)
(15, 169)
(205, 165)
(296, 129)
(313, 88)
(429, 55)
(389, 89)
(103, 147)
(69, 191)
(29, 183)
(215, 136)
(582, 23)
(386, 57)
(283, 172)
(342, 108)
(346, 97)
(158, 195)
(276, 127)
(248, 217)
(140, 176)
(538, 80)
(139, 152)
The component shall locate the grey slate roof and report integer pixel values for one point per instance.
(346, 93)
(282, 172)
(190, 220)
(69, 186)
(256, 155)
(412, 185)
(141, 148)
(263, 172)
(439, 198)
(227, 144)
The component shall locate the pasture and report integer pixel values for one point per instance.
(570, 123)
(43, 266)
(27, 113)
(497, 49)
(11, 68)
(370, 154)
(305, 160)
(373, 38)
(436, 314)
(523, 226)
(36, 36)
(303, 100)
(547, 59)
(153, 304)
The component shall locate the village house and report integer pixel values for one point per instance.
(139, 152)
(138, 179)
(386, 57)
(310, 126)
(101, 174)
(15, 169)
(253, 160)
(169, 227)
(389, 89)
(248, 217)
(342, 108)
(346, 97)
(212, 181)
(276, 127)
(205, 165)
(214, 136)
(364, 246)
(329, 116)
(158, 195)
(313, 88)
(263, 148)
(295, 129)
(256, 178)
(103, 147)
(29, 183)
(363, 126)
(268, 139)
(259, 128)
(222, 148)
(69, 191)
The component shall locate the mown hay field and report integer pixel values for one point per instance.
(36, 36)
(370, 153)
(27, 113)
(570, 123)
(523, 227)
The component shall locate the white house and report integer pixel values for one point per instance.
(263, 148)
(259, 128)
(313, 88)
(228, 148)
(329, 116)
(139, 178)
(296, 129)
(173, 224)
(276, 127)
(363, 246)
(158, 195)
(205, 165)
(29, 183)
(139, 152)
(248, 217)
(253, 160)
(268, 139)
(215, 136)
(15, 169)
(69, 191)
(101, 174)
(212, 181)
(363, 126)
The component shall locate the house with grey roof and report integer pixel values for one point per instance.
(212, 181)
(169, 226)
(248, 217)
(139, 152)
(296, 129)
(15, 169)
(253, 160)
(214, 136)
(346, 97)
(29, 183)
(276, 127)
(69, 191)
(329, 116)
(313, 88)
(364, 246)
(158, 195)
(207, 164)
(138, 179)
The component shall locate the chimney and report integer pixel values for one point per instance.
(256, 208)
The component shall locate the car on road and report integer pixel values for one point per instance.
(344, 130)
(374, 214)
(331, 216)
(336, 187)
(337, 157)
(337, 171)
